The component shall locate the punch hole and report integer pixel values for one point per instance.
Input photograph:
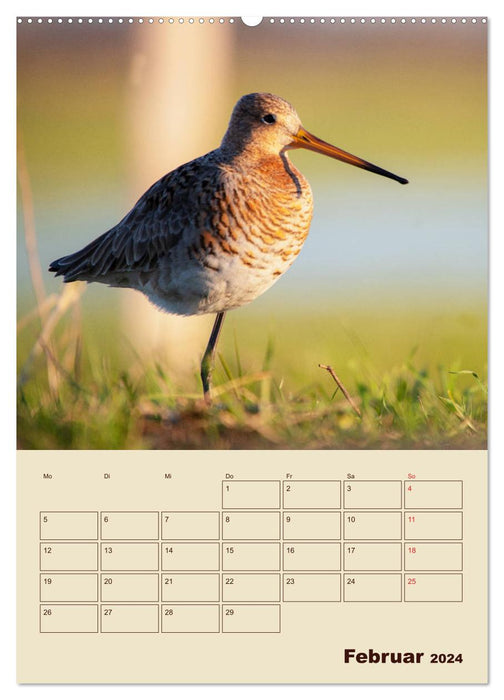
(252, 21)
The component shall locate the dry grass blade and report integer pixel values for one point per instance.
(69, 296)
(240, 382)
(46, 306)
(466, 422)
(340, 386)
(29, 228)
(61, 369)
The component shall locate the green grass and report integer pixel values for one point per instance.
(86, 390)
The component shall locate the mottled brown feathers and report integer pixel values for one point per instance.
(243, 206)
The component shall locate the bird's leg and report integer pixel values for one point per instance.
(208, 358)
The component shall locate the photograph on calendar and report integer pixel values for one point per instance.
(268, 237)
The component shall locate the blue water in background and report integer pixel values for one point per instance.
(413, 241)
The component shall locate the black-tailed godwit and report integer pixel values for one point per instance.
(215, 233)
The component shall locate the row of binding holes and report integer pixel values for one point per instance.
(272, 20)
(375, 20)
(120, 20)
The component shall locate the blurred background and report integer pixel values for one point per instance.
(106, 109)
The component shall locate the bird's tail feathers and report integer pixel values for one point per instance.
(79, 265)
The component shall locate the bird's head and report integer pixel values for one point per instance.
(266, 125)
(262, 122)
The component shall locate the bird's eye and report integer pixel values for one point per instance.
(269, 119)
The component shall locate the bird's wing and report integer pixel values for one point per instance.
(148, 232)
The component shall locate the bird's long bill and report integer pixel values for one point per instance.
(303, 139)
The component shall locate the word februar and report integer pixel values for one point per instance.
(383, 657)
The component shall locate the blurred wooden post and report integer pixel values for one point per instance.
(179, 105)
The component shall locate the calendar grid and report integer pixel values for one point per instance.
(271, 545)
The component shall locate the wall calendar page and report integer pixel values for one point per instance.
(252, 350)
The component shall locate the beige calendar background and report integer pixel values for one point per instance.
(222, 567)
